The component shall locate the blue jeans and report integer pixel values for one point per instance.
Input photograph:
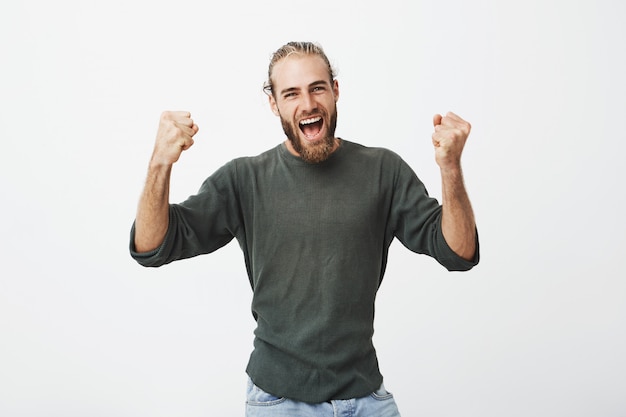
(261, 404)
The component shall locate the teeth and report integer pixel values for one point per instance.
(311, 120)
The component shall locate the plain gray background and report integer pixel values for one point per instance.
(537, 329)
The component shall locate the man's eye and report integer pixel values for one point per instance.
(318, 89)
(289, 95)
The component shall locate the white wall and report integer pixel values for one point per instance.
(536, 329)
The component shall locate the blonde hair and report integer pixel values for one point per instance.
(305, 48)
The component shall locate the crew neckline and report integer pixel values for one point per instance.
(288, 156)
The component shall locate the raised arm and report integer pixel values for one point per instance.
(175, 135)
(458, 225)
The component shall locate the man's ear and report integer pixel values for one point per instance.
(273, 104)
(336, 89)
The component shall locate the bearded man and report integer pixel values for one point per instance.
(314, 217)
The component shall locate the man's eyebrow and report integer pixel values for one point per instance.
(320, 82)
(289, 90)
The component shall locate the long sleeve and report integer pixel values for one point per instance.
(201, 224)
(416, 221)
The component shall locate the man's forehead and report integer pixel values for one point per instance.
(299, 70)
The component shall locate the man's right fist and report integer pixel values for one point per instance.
(175, 135)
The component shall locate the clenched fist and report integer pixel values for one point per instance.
(449, 138)
(175, 135)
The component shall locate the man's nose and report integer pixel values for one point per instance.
(308, 102)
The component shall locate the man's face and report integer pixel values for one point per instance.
(305, 99)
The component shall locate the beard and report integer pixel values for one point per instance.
(312, 153)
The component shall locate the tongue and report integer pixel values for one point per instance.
(311, 130)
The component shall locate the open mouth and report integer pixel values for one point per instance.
(311, 127)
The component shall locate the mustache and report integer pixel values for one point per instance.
(312, 113)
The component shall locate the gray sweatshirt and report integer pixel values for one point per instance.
(315, 239)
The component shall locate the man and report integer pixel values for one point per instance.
(314, 218)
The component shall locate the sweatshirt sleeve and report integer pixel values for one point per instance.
(201, 224)
(416, 221)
